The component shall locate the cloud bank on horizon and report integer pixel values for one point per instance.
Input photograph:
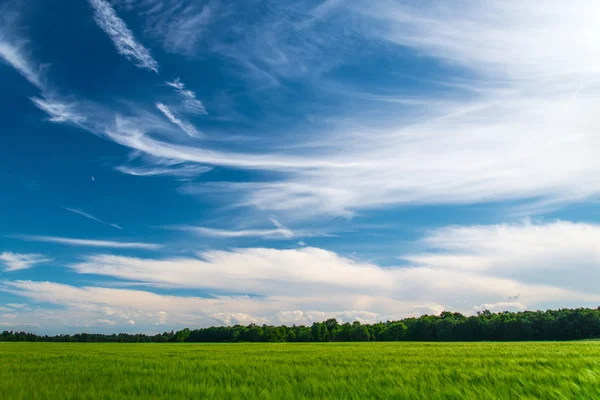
(286, 162)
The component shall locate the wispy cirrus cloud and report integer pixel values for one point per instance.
(140, 164)
(17, 261)
(180, 171)
(278, 40)
(13, 56)
(178, 25)
(280, 232)
(494, 139)
(190, 102)
(89, 242)
(481, 144)
(123, 39)
(14, 53)
(184, 125)
(12, 50)
(59, 111)
(182, 32)
(226, 233)
(90, 216)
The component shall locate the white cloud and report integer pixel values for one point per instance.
(94, 306)
(530, 100)
(245, 270)
(559, 253)
(89, 242)
(177, 84)
(84, 307)
(162, 318)
(106, 321)
(14, 54)
(233, 318)
(123, 39)
(280, 232)
(14, 57)
(90, 216)
(540, 38)
(502, 306)
(144, 165)
(181, 171)
(17, 305)
(225, 233)
(59, 111)
(303, 285)
(283, 40)
(517, 268)
(190, 102)
(12, 50)
(299, 317)
(178, 25)
(16, 262)
(497, 140)
(184, 31)
(184, 125)
(533, 102)
(468, 157)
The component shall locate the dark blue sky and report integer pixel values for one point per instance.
(190, 163)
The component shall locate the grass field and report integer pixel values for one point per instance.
(569, 370)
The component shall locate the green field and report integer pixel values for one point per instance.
(569, 370)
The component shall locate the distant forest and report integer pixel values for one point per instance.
(564, 324)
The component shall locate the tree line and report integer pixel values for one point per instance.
(563, 324)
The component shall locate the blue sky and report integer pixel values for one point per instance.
(171, 163)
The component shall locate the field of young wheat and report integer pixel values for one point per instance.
(550, 370)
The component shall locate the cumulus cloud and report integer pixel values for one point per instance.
(519, 123)
(502, 306)
(106, 321)
(123, 39)
(16, 262)
(85, 306)
(495, 263)
(244, 270)
(559, 253)
(489, 264)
